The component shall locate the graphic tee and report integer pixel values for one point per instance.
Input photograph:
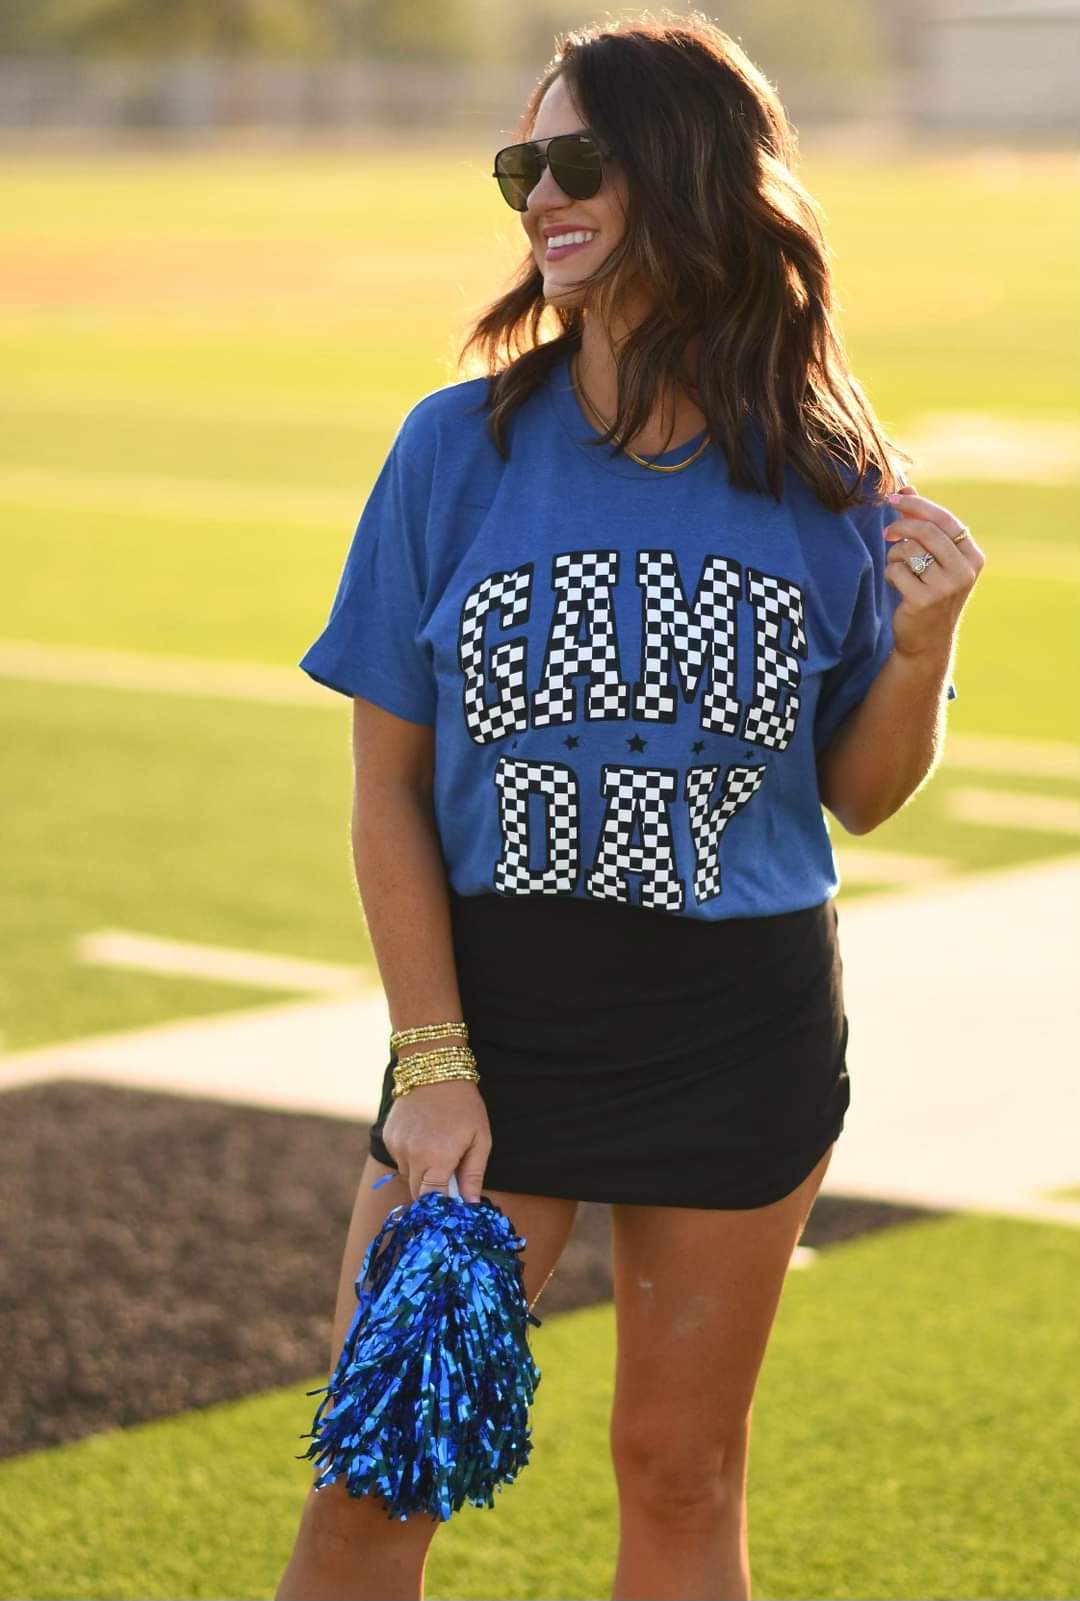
(629, 674)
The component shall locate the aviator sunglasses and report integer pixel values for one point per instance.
(576, 162)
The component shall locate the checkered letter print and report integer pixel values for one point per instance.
(582, 581)
(511, 595)
(776, 669)
(515, 780)
(671, 630)
(637, 796)
(707, 823)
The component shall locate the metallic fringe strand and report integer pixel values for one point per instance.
(428, 1404)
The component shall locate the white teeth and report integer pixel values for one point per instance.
(579, 238)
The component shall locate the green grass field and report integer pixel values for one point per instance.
(913, 1435)
(205, 360)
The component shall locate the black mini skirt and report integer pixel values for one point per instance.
(630, 1055)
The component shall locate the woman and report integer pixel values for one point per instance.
(638, 591)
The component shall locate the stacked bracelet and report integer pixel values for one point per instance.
(429, 1031)
(435, 1066)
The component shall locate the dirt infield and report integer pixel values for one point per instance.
(164, 1253)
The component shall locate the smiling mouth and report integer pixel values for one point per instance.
(556, 253)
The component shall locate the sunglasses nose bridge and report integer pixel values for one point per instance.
(545, 181)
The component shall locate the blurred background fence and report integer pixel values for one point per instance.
(1000, 68)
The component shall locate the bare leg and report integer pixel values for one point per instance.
(347, 1548)
(696, 1293)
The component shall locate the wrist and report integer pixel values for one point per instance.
(926, 665)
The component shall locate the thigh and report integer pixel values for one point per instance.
(696, 1292)
(544, 1222)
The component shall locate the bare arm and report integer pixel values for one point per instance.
(885, 750)
(888, 745)
(436, 1129)
(400, 871)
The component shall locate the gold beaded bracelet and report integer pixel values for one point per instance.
(429, 1031)
(444, 1077)
(446, 1053)
(434, 1067)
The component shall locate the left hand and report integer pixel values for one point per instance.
(925, 621)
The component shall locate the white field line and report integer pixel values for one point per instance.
(858, 866)
(89, 667)
(324, 1053)
(97, 668)
(223, 964)
(82, 401)
(152, 494)
(1004, 449)
(993, 1144)
(149, 953)
(226, 500)
(1029, 758)
(946, 444)
(998, 808)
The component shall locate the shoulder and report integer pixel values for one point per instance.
(868, 512)
(454, 409)
(444, 450)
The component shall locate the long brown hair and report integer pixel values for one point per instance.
(729, 248)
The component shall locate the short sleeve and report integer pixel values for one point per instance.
(869, 639)
(369, 646)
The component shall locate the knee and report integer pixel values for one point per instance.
(688, 1478)
(339, 1523)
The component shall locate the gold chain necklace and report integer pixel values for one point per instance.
(652, 465)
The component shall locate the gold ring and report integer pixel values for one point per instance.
(963, 534)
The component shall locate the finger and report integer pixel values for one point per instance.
(470, 1181)
(910, 585)
(971, 552)
(428, 1183)
(921, 506)
(918, 532)
(972, 556)
(935, 577)
(900, 559)
(956, 569)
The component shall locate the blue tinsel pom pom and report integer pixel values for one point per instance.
(428, 1404)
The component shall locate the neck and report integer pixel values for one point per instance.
(673, 421)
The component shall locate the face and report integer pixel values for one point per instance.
(550, 212)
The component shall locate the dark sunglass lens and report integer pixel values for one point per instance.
(518, 172)
(576, 166)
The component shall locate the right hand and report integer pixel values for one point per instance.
(439, 1129)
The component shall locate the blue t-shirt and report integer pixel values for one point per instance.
(629, 673)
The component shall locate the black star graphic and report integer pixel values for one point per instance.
(637, 743)
(698, 746)
(570, 741)
(748, 753)
(513, 742)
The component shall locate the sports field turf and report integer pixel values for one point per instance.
(205, 359)
(914, 1435)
